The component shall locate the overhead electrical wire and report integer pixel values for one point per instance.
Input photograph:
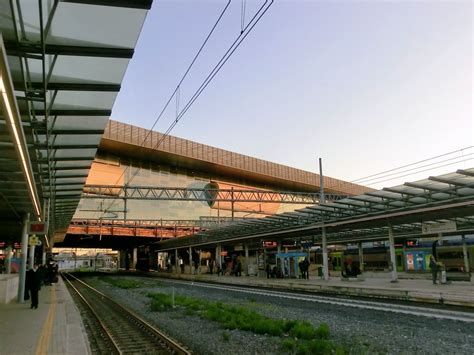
(383, 176)
(243, 34)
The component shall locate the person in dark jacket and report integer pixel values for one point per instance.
(33, 283)
(434, 269)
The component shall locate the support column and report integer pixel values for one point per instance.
(118, 259)
(32, 256)
(176, 260)
(247, 259)
(135, 256)
(43, 256)
(464, 253)
(24, 252)
(325, 255)
(190, 260)
(393, 261)
(8, 261)
(278, 247)
(361, 257)
(218, 255)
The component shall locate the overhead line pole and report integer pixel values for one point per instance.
(323, 229)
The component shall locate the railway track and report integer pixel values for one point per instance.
(117, 330)
(384, 306)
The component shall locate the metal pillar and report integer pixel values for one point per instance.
(247, 259)
(135, 256)
(218, 255)
(43, 257)
(464, 253)
(190, 260)
(32, 256)
(118, 259)
(24, 252)
(322, 199)
(176, 260)
(361, 257)
(232, 201)
(279, 247)
(9, 260)
(393, 261)
(325, 255)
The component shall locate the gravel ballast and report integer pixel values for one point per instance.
(360, 330)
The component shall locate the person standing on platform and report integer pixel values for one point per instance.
(34, 284)
(181, 265)
(305, 269)
(267, 270)
(434, 269)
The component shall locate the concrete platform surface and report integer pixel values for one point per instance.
(54, 328)
(459, 293)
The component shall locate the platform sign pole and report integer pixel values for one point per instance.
(393, 263)
(464, 253)
(24, 254)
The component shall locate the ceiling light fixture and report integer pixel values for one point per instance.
(11, 111)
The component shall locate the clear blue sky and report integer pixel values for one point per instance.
(366, 85)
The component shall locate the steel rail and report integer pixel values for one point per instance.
(144, 326)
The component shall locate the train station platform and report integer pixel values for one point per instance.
(458, 293)
(54, 328)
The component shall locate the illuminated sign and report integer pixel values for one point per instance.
(269, 244)
(37, 228)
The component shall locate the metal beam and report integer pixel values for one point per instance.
(80, 86)
(78, 112)
(25, 49)
(132, 4)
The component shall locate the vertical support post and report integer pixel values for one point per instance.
(232, 201)
(464, 253)
(125, 199)
(24, 252)
(118, 259)
(322, 199)
(135, 256)
(247, 259)
(190, 260)
(393, 261)
(9, 260)
(325, 255)
(176, 260)
(32, 256)
(361, 257)
(278, 247)
(218, 256)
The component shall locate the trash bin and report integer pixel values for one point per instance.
(443, 276)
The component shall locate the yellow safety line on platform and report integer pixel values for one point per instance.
(43, 344)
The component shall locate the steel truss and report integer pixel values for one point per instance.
(203, 194)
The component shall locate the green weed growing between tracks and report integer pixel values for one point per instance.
(300, 337)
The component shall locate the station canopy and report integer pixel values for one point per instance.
(65, 61)
(408, 208)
